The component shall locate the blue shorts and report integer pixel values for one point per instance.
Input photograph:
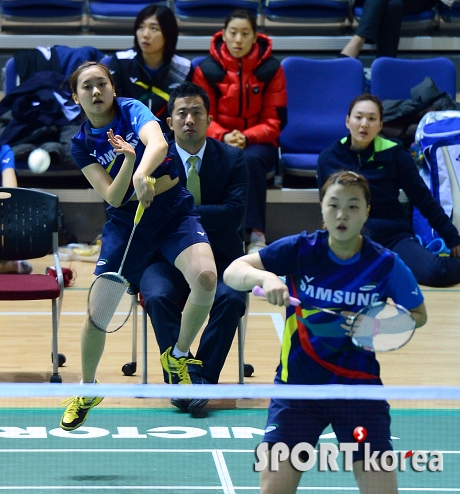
(169, 226)
(296, 421)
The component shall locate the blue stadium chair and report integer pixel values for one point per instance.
(36, 14)
(116, 14)
(209, 15)
(288, 14)
(319, 93)
(393, 78)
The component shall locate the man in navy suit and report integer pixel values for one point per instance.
(223, 178)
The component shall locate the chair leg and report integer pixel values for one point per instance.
(130, 368)
(242, 325)
(55, 378)
(144, 346)
(240, 351)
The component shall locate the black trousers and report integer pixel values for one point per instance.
(428, 268)
(165, 290)
(381, 21)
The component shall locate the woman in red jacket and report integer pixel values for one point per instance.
(247, 89)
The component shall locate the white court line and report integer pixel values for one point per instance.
(204, 488)
(221, 466)
(224, 474)
(185, 488)
(155, 450)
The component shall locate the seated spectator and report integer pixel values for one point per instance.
(221, 203)
(247, 89)
(380, 24)
(8, 179)
(151, 70)
(389, 168)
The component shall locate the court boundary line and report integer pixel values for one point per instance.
(222, 471)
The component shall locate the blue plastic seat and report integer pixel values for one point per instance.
(40, 13)
(294, 16)
(319, 94)
(393, 78)
(116, 14)
(209, 14)
(315, 11)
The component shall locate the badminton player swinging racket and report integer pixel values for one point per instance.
(117, 148)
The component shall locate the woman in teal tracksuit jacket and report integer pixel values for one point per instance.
(389, 169)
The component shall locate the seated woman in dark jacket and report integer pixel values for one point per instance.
(389, 168)
(151, 70)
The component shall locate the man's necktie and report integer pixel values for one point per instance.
(193, 180)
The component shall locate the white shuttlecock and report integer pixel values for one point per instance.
(39, 160)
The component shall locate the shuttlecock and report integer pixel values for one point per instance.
(39, 160)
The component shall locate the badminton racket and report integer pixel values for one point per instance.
(378, 327)
(109, 303)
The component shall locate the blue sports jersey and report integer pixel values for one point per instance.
(311, 352)
(91, 146)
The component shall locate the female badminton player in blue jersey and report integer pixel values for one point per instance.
(117, 148)
(339, 269)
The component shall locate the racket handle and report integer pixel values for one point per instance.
(139, 212)
(140, 208)
(259, 292)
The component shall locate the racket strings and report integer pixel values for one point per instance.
(383, 327)
(396, 324)
(371, 326)
(104, 299)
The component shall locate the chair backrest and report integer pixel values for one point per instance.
(304, 16)
(28, 223)
(126, 9)
(211, 8)
(393, 78)
(116, 16)
(319, 94)
(44, 15)
(207, 16)
(304, 10)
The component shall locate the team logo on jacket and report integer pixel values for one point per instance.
(256, 90)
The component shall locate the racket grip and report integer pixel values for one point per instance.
(259, 292)
(139, 213)
(140, 208)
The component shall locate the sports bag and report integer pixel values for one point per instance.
(437, 153)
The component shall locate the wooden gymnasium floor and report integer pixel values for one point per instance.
(431, 357)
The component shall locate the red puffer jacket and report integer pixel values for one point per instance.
(247, 94)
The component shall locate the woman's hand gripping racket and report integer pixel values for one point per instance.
(109, 303)
(379, 327)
